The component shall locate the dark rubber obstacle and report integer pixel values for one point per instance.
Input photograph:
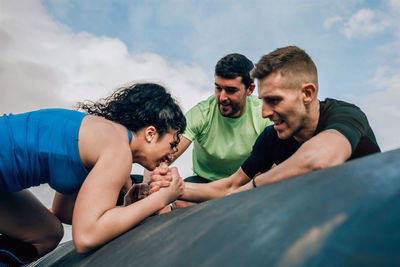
(348, 215)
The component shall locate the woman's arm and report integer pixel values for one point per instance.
(96, 220)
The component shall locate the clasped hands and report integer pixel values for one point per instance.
(163, 176)
(164, 180)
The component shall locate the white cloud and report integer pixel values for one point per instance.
(44, 64)
(394, 12)
(391, 48)
(382, 107)
(394, 3)
(332, 20)
(365, 23)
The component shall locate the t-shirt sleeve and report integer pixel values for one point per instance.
(349, 121)
(194, 123)
(260, 158)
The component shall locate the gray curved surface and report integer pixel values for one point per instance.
(348, 215)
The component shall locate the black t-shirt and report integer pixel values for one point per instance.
(346, 118)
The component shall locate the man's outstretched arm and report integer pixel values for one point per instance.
(216, 189)
(326, 149)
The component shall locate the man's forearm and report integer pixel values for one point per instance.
(327, 149)
(202, 192)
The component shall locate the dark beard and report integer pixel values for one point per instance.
(234, 110)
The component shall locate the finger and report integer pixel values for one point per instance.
(160, 184)
(157, 178)
(164, 183)
(163, 168)
(156, 171)
(163, 165)
(154, 189)
(175, 174)
(174, 171)
(161, 175)
(153, 186)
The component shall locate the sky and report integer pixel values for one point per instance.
(54, 53)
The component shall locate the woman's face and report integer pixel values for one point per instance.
(160, 148)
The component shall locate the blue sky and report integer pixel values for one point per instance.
(200, 32)
(57, 52)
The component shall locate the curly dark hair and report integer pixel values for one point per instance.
(234, 65)
(139, 105)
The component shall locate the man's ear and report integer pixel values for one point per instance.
(149, 133)
(250, 89)
(309, 91)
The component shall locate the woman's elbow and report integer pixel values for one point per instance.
(83, 243)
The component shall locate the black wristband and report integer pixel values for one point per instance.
(254, 182)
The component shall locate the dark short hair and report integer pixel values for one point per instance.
(140, 105)
(235, 65)
(290, 61)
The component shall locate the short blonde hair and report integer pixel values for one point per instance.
(293, 63)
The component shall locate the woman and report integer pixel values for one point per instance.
(87, 159)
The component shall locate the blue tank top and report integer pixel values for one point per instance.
(41, 147)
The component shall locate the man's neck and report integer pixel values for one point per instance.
(310, 123)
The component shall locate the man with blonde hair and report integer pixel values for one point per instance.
(307, 135)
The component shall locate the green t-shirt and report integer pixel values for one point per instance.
(221, 144)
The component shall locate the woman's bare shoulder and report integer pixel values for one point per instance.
(98, 136)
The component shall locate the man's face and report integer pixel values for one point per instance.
(283, 106)
(231, 96)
